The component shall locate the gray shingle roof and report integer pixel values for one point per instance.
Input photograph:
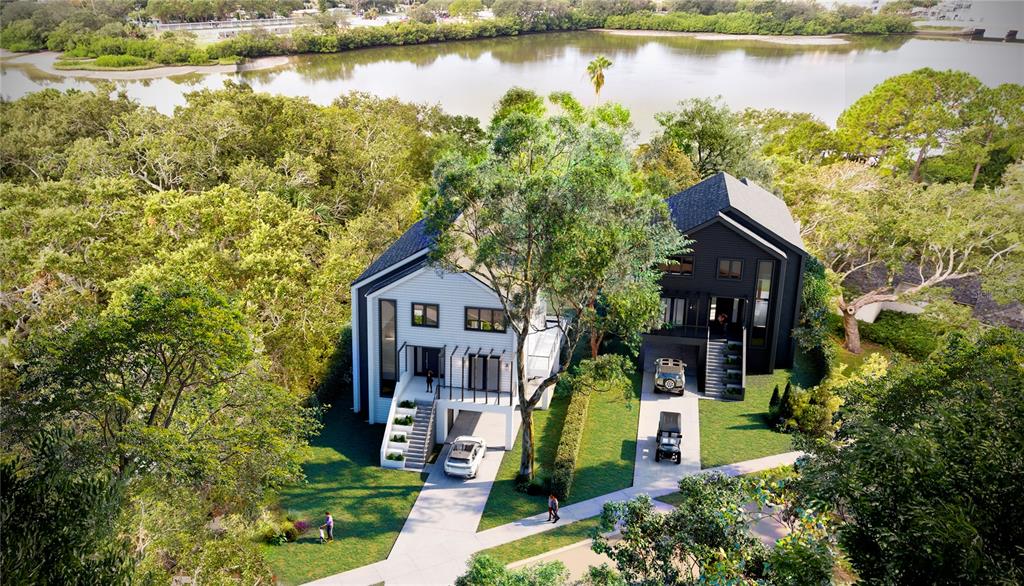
(690, 208)
(412, 241)
(723, 192)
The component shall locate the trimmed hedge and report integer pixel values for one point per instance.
(564, 467)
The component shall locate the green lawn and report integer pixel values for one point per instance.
(734, 431)
(854, 361)
(550, 540)
(606, 456)
(369, 503)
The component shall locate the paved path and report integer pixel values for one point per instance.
(444, 564)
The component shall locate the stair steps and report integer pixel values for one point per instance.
(419, 438)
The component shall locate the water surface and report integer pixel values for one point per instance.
(651, 73)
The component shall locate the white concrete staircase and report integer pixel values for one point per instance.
(419, 439)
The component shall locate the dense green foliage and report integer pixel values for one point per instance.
(59, 527)
(904, 332)
(926, 469)
(486, 571)
(761, 23)
(706, 538)
(714, 139)
(174, 288)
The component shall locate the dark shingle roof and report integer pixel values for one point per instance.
(414, 240)
(719, 193)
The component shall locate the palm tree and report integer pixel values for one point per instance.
(596, 72)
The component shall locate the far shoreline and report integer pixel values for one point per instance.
(808, 40)
(43, 61)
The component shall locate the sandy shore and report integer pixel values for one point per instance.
(44, 62)
(777, 39)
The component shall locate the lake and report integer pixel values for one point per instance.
(651, 72)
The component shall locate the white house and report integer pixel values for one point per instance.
(410, 319)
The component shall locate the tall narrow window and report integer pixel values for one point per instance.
(388, 348)
(666, 310)
(679, 312)
(762, 302)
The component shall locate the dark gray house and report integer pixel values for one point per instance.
(730, 304)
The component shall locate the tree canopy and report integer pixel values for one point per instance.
(926, 467)
(548, 217)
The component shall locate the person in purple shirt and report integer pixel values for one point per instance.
(329, 526)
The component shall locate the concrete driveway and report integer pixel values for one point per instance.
(649, 475)
(448, 510)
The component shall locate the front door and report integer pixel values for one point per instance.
(428, 359)
(484, 372)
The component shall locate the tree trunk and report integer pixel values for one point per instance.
(851, 330)
(977, 165)
(595, 343)
(525, 407)
(916, 175)
(526, 458)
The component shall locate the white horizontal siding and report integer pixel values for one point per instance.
(452, 292)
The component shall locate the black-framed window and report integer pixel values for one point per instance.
(730, 268)
(762, 299)
(424, 315)
(679, 265)
(483, 319)
(388, 347)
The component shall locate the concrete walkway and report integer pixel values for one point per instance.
(430, 564)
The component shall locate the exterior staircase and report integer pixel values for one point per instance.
(714, 374)
(724, 369)
(421, 439)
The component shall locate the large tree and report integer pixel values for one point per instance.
(548, 214)
(714, 138)
(887, 239)
(911, 114)
(926, 469)
(163, 382)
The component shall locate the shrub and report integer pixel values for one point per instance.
(407, 404)
(787, 405)
(406, 420)
(395, 456)
(399, 438)
(904, 332)
(289, 531)
(773, 407)
(119, 61)
(301, 527)
(21, 35)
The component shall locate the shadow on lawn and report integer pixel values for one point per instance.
(756, 421)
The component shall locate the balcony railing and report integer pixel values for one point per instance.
(698, 332)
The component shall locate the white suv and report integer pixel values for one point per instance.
(465, 456)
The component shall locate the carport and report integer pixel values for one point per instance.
(658, 347)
